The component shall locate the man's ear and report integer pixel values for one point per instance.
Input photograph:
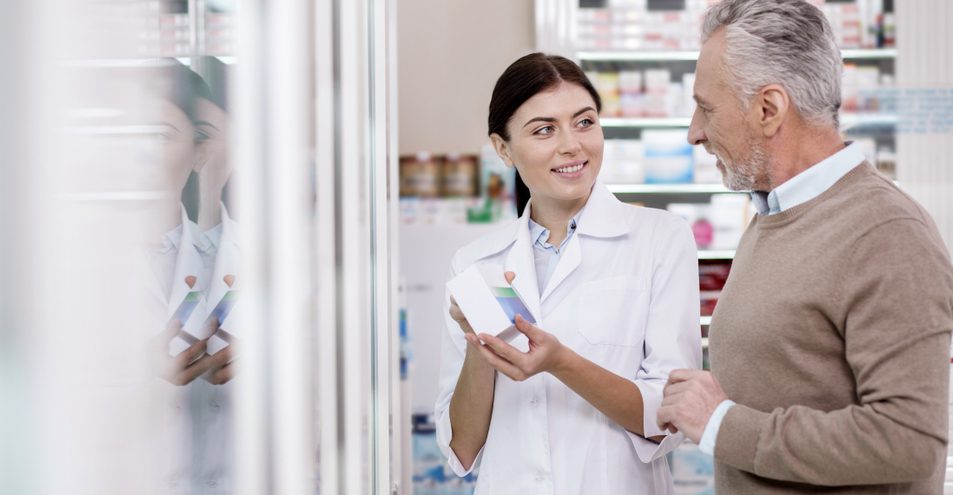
(502, 148)
(772, 104)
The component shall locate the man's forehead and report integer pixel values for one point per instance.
(711, 51)
(708, 70)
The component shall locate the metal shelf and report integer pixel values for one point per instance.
(115, 196)
(668, 188)
(666, 122)
(638, 56)
(691, 55)
(847, 120)
(705, 254)
(869, 54)
(116, 63)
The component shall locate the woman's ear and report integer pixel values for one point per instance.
(201, 156)
(502, 148)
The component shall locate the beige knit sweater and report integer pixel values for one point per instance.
(833, 337)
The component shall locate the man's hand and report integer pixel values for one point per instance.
(690, 398)
(545, 353)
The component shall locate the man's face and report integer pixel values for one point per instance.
(723, 126)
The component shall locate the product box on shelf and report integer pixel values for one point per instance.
(730, 215)
(420, 175)
(706, 171)
(668, 157)
(622, 162)
(696, 214)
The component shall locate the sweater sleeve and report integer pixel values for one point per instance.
(897, 300)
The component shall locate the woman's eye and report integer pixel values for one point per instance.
(545, 131)
(586, 122)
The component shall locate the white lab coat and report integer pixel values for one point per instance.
(625, 296)
(196, 429)
(224, 238)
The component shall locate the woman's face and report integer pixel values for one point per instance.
(556, 144)
(212, 134)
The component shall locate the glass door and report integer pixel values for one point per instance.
(198, 238)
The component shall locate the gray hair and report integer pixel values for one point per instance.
(786, 42)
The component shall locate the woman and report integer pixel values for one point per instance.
(570, 409)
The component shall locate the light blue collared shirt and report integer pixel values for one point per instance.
(810, 183)
(799, 189)
(545, 254)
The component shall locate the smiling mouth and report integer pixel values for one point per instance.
(572, 168)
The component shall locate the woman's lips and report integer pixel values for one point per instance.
(571, 170)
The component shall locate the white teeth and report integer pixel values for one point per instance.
(569, 170)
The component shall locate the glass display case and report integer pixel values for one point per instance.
(202, 224)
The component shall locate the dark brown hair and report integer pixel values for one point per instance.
(523, 79)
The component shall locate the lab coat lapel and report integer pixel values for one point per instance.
(188, 263)
(226, 261)
(520, 260)
(602, 217)
(568, 262)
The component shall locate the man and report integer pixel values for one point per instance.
(829, 346)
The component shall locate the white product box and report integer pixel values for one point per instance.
(488, 302)
(668, 157)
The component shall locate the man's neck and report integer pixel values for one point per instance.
(801, 152)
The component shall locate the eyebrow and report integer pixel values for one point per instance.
(203, 122)
(551, 119)
(166, 124)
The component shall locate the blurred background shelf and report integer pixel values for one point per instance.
(726, 254)
(667, 188)
(692, 55)
(848, 120)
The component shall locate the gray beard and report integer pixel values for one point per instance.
(747, 176)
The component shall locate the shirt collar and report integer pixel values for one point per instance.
(171, 240)
(810, 183)
(540, 235)
(186, 232)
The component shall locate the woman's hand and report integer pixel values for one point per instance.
(457, 314)
(181, 369)
(546, 353)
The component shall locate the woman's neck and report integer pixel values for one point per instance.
(555, 215)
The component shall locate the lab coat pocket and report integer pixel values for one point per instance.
(612, 311)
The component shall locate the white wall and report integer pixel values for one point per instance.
(449, 55)
(925, 61)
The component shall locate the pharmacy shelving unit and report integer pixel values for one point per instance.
(692, 55)
(879, 125)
